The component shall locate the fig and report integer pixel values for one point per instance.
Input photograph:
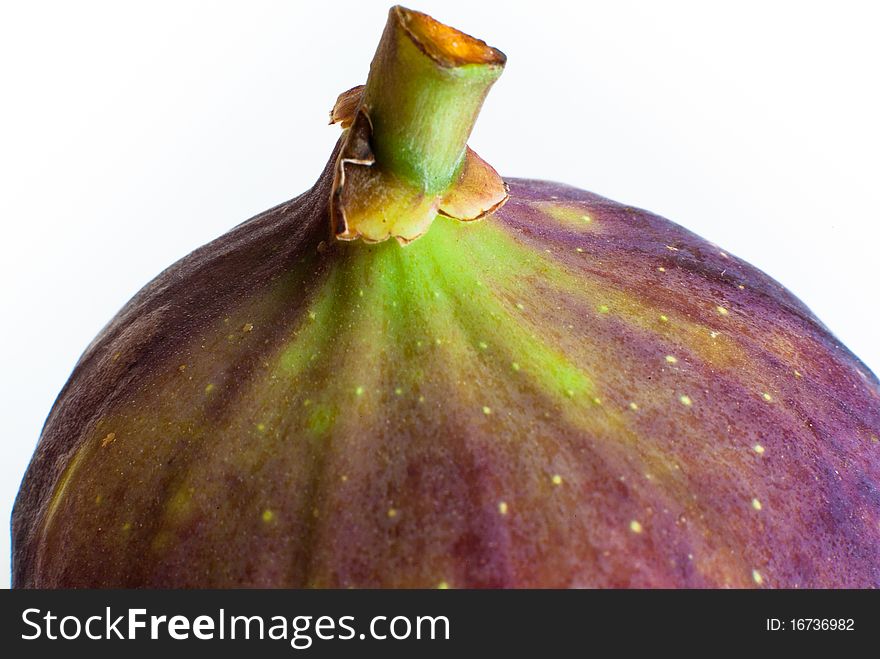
(419, 374)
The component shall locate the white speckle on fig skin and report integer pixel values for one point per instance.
(756, 504)
(635, 526)
(502, 507)
(758, 449)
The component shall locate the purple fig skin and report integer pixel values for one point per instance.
(572, 393)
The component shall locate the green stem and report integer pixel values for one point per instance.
(426, 85)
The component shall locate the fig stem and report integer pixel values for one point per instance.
(426, 86)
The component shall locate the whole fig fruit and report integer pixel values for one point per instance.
(567, 392)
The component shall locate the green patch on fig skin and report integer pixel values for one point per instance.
(61, 487)
(435, 276)
(572, 216)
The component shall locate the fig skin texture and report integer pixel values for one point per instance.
(568, 392)
(571, 392)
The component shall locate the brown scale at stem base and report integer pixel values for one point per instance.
(362, 193)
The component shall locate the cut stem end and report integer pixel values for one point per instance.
(404, 156)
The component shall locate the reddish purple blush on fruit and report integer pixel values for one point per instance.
(419, 374)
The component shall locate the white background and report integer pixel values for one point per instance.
(131, 133)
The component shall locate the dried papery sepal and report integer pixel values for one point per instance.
(346, 105)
